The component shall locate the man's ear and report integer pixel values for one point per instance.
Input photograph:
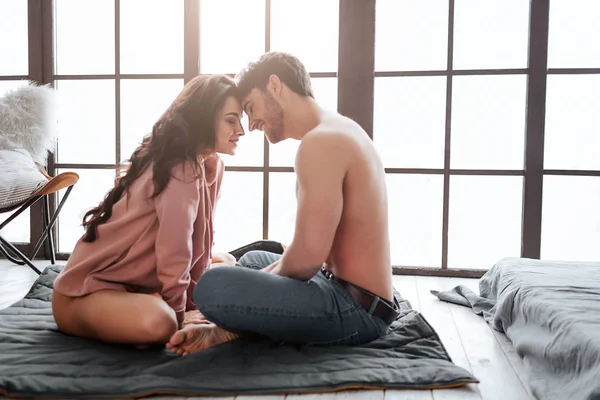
(274, 85)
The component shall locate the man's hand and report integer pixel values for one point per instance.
(194, 317)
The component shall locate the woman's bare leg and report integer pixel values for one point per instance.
(116, 317)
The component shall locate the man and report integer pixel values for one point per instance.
(333, 284)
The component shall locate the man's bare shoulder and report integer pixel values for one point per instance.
(334, 122)
(335, 130)
(323, 143)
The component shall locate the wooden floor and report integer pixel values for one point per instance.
(488, 354)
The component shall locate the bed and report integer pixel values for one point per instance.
(550, 310)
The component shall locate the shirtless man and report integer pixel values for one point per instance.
(333, 284)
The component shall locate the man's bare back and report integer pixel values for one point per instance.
(361, 251)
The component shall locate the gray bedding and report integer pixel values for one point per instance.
(36, 360)
(551, 313)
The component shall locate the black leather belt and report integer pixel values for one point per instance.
(372, 303)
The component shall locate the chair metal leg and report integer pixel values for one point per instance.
(50, 224)
(10, 257)
(17, 257)
(23, 257)
(50, 236)
(8, 251)
(15, 214)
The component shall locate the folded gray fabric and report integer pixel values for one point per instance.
(463, 296)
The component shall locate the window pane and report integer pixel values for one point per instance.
(411, 35)
(484, 220)
(490, 34)
(283, 154)
(17, 231)
(488, 122)
(7, 86)
(308, 29)
(571, 218)
(151, 36)
(282, 206)
(85, 37)
(573, 34)
(13, 25)
(250, 151)
(89, 191)
(232, 33)
(86, 113)
(238, 219)
(409, 121)
(572, 138)
(143, 101)
(415, 218)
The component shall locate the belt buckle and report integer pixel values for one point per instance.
(328, 274)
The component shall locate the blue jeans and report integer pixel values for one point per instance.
(244, 299)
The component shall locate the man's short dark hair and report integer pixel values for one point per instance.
(288, 68)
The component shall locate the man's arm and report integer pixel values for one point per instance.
(321, 166)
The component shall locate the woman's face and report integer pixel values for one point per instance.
(228, 127)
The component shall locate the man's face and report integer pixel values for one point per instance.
(265, 114)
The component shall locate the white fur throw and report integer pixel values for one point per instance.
(20, 177)
(28, 120)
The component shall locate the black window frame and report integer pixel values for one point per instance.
(355, 76)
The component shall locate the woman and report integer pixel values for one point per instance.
(131, 275)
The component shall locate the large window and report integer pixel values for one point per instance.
(571, 191)
(484, 113)
(118, 73)
(14, 69)
(449, 122)
(258, 190)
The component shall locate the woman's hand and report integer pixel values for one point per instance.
(223, 258)
(273, 268)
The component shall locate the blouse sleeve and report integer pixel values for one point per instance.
(177, 208)
(217, 196)
(203, 263)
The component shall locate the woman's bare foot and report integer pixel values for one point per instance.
(197, 337)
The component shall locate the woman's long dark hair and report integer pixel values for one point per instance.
(182, 133)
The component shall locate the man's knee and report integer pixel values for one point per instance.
(219, 285)
(207, 288)
(215, 292)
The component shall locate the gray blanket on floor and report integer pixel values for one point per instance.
(36, 360)
(551, 313)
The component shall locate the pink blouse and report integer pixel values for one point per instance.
(160, 245)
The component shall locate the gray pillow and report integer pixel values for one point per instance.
(20, 177)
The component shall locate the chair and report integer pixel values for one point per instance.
(65, 180)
